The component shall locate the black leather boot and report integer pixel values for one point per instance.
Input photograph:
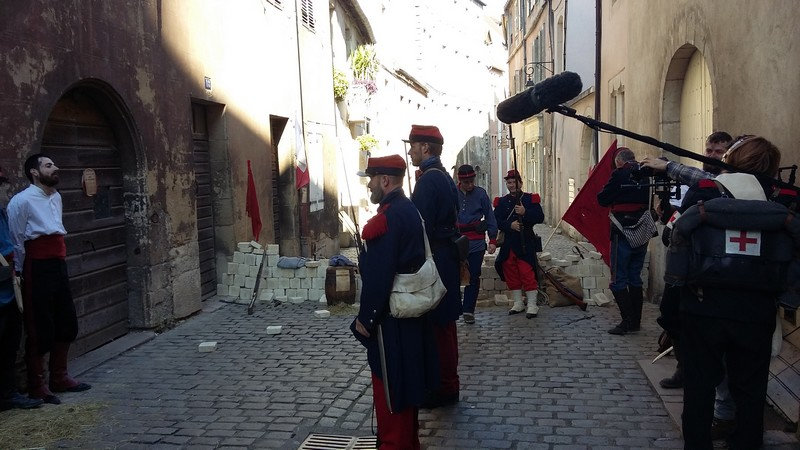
(676, 380)
(635, 300)
(621, 297)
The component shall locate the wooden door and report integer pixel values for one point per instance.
(78, 136)
(205, 206)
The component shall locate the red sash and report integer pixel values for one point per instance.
(46, 247)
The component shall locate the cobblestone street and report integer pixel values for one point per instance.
(555, 379)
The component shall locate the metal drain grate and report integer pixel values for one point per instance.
(334, 442)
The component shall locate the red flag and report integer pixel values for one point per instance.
(586, 215)
(252, 203)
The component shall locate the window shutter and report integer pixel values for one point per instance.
(307, 13)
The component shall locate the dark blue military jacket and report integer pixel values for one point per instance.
(394, 244)
(621, 189)
(436, 198)
(505, 215)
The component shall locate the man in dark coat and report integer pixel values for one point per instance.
(629, 202)
(401, 352)
(516, 214)
(436, 197)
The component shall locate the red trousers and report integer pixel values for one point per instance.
(447, 347)
(399, 430)
(519, 274)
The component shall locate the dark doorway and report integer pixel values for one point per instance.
(277, 125)
(205, 205)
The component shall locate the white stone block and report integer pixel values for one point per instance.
(272, 249)
(589, 282)
(222, 289)
(286, 273)
(233, 268)
(572, 258)
(294, 283)
(238, 280)
(296, 300)
(250, 259)
(207, 347)
(573, 270)
(601, 299)
(305, 283)
(238, 257)
(253, 271)
(302, 293)
(280, 295)
(244, 247)
(595, 255)
(249, 282)
(500, 285)
(501, 300)
(233, 291)
(312, 264)
(258, 259)
(603, 282)
(266, 295)
(245, 294)
(318, 283)
(322, 270)
(272, 260)
(315, 293)
(561, 263)
(283, 283)
(243, 270)
(487, 284)
(258, 251)
(488, 272)
(322, 313)
(255, 245)
(230, 280)
(274, 329)
(544, 256)
(323, 299)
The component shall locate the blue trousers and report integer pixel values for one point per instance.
(626, 263)
(475, 260)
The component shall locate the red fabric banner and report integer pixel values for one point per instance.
(252, 204)
(586, 215)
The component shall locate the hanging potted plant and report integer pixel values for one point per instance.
(340, 85)
(366, 142)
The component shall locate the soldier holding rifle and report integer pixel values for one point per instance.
(516, 214)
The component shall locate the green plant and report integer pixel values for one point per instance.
(340, 84)
(366, 142)
(364, 62)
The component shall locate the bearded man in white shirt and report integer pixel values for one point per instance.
(51, 323)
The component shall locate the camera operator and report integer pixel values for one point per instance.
(628, 194)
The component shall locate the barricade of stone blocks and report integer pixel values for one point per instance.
(293, 285)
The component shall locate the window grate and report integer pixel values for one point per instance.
(334, 442)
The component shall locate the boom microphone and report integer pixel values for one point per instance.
(546, 94)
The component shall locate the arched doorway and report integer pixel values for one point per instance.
(84, 131)
(687, 114)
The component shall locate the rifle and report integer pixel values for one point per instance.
(571, 295)
(252, 304)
